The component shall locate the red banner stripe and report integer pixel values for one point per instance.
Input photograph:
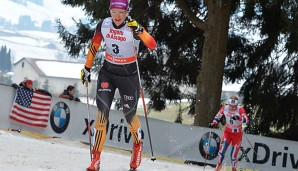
(29, 112)
(40, 103)
(29, 118)
(28, 123)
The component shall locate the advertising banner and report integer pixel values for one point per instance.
(69, 119)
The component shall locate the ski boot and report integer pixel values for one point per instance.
(218, 167)
(95, 164)
(136, 157)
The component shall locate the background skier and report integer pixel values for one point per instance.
(235, 117)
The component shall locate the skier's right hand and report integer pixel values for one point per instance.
(211, 125)
(85, 75)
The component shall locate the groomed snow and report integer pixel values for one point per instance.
(20, 152)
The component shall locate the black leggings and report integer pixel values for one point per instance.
(128, 87)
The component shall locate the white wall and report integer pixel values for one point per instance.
(57, 85)
(22, 71)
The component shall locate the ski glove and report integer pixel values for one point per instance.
(14, 85)
(236, 117)
(211, 125)
(85, 75)
(132, 23)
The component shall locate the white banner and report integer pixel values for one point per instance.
(69, 119)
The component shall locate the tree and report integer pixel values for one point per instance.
(46, 85)
(200, 43)
(184, 55)
(46, 26)
(270, 67)
(36, 83)
(5, 79)
(275, 22)
(162, 71)
(209, 79)
(5, 57)
(25, 23)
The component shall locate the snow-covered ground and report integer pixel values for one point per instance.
(20, 152)
(34, 43)
(51, 10)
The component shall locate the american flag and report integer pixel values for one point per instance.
(31, 108)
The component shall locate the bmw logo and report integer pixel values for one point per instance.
(60, 116)
(209, 145)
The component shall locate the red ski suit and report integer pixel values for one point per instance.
(232, 132)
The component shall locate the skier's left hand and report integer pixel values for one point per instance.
(132, 23)
(235, 117)
(211, 125)
(85, 75)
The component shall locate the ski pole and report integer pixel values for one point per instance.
(251, 146)
(143, 96)
(145, 111)
(89, 129)
(208, 148)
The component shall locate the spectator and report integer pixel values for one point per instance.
(69, 94)
(28, 84)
